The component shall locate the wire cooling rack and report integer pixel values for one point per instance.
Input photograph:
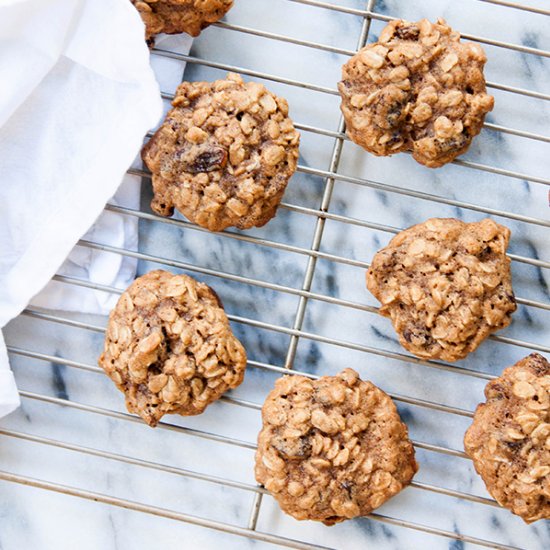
(297, 331)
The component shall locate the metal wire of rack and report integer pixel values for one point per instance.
(305, 295)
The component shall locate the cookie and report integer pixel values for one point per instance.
(417, 89)
(177, 16)
(169, 347)
(446, 285)
(224, 154)
(509, 439)
(332, 449)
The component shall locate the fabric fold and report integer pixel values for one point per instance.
(78, 96)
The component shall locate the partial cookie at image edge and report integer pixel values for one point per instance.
(509, 438)
(175, 17)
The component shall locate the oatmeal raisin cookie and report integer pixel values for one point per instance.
(509, 439)
(177, 16)
(446, 285)
(224, 154)
(169, 347)
(417, 89)
(332, 449)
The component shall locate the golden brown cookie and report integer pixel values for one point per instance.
(417, 89)
(509, 439)
(224, 154)
(177, 16)
(445, 284)
(332, 449)
(169, 347)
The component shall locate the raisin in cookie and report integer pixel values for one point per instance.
(509, 440)
(224, 154)
(177, 16)
(446, 285)
(332, 449)
(417, 89)
(169, 347)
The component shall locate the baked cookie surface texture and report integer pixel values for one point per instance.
(177, 16)
(509, 439)
(445, 284)
(417, 89)
(332, 449)
(169, 347)
(224, 154)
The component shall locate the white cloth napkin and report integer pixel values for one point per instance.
(9, 398)
(117, 230)
(96, 266)
(77, 96)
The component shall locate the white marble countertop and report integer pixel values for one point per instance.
(35, 518)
